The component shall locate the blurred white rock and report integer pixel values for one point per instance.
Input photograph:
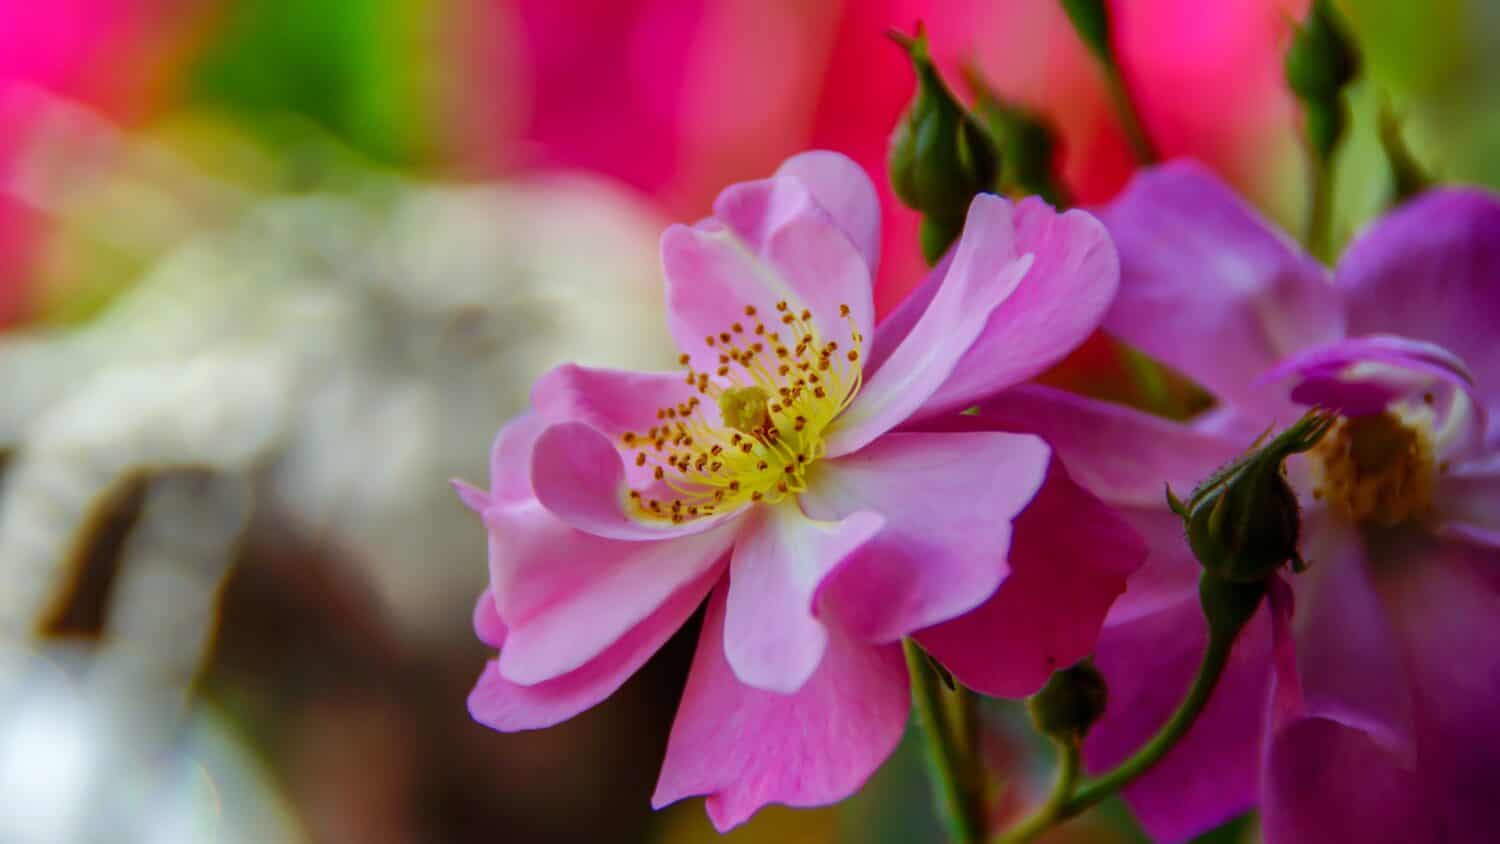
(343, 355)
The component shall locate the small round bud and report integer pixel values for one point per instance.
(1070, 704)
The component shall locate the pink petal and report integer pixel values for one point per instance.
(843, 189)
(1121, 454)
(1427, 271)
(567, 595)
(504, 705)
(1327, 782)
(1056, 307)
(1446, 602)
(579, 476)
(1467, 500)
(510, 465)
(487, 623)
(771, 637)
(1209, 287)
(948, 502)
(985, 270)
(771, 242)
(611, 401)
(1211, 775)
(1068, 563)
(745, 747)
(1348, 656)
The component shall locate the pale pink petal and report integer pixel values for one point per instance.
(1327, 782)
(1348, 656)
(503, 705)
(948, 502)
(487, 623)
(892, 330)
(579, 476)
(1209, 287)
(567, 595)
(1213, 773)
(1068, 563)
(986, 269)
(1427, 271)
(510, 465)
(1467, 500)
(771, 637)
(1446, 601)
(744, 747)
(1056, 307)
(845, 191)
(770, 243)
(611, 401)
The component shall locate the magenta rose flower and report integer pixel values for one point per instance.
(774, 477)
(1371, 711)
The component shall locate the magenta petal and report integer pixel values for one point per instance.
(1327, 782)
(1366, 375)
(1447, 608)
(985, 270)
(1348, 656)
(745, 747)
(1468, 501)
(504, 705)
(1068, 563)
(510, 465)
(1427, 271)
(1061, 301)
(1120, 454)
(845, 191)
(1209, 287)
(771, 242)
(579, 476)
(1211, 775)
(771, 637)
(948, 501)
(566, 595)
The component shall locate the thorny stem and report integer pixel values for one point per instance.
(956, 772)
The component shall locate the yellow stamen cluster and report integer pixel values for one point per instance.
(1376, 469)
(776, 388)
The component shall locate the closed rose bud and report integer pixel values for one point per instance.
(940, 157)
(1243, 522)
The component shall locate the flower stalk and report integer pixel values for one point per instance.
(1090, 19)
(949, 730)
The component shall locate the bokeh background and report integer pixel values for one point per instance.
(272, 271)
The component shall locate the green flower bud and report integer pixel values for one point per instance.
(940, 157)
(1320, 63)
(1070, 704)
(1243, 522)
(1027, 144)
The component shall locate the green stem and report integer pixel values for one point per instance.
(1228, 607)
(1215, 658)
(1068, 768)
(1320, 207)
(1130, 118)
(959, 801)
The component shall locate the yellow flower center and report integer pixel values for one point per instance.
(776, 392)
(1376, 470)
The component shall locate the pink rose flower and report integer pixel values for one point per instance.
(1368, 712)
(778, 477)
